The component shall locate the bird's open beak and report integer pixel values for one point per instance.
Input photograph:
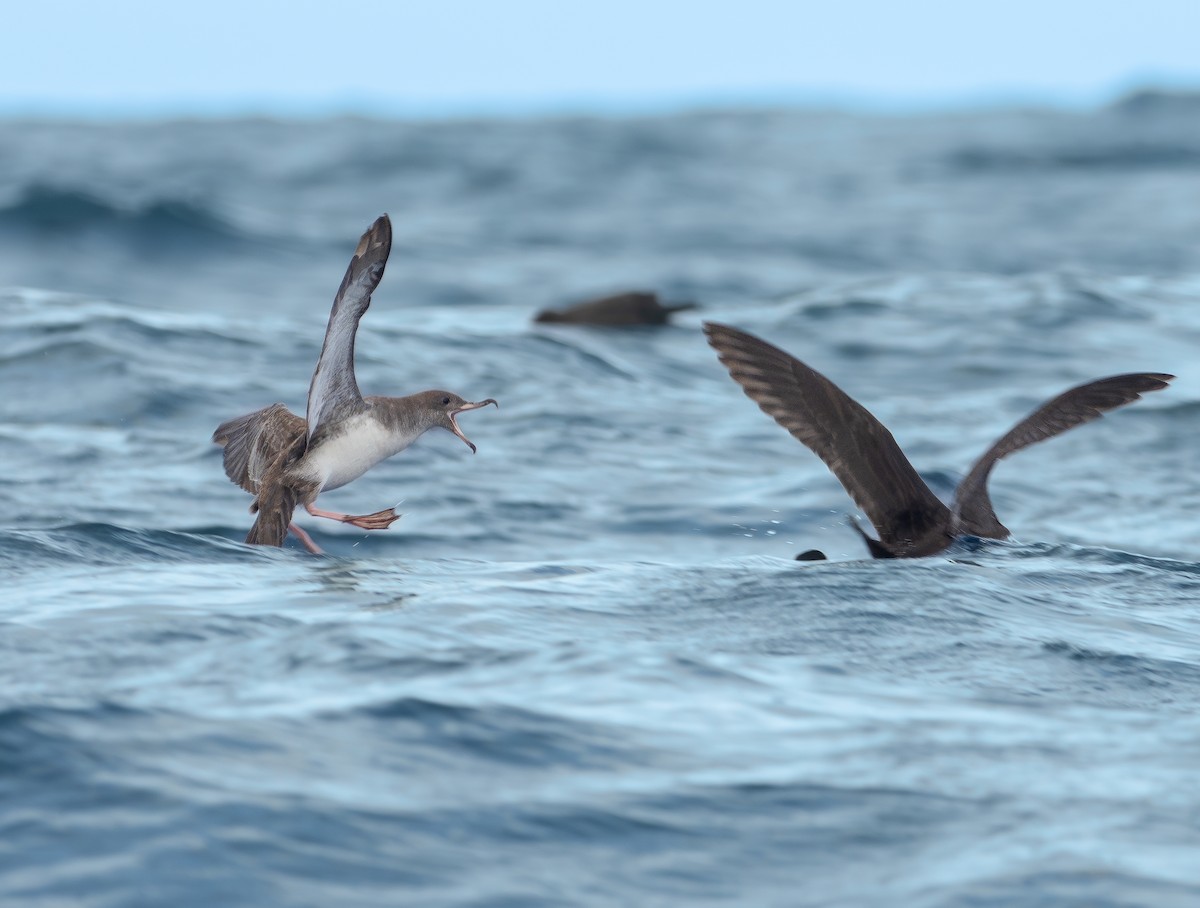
(463, 409)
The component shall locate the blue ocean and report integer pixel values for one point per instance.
(584, 668)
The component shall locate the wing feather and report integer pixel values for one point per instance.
(333, 384)
(255, 441)
(973, 507)
(856, 446)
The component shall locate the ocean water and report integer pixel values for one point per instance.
(584, 668)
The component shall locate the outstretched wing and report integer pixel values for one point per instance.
(333, 384)
(854, 444)
(973, 507)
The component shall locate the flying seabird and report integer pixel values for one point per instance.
(285, 461)
(910, 520)
(622, 310)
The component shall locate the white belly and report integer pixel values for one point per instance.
(344, 457)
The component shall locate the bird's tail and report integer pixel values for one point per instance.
(275, 506)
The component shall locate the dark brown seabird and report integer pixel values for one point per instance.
(623, 310)
(285, 461)
(911, 521)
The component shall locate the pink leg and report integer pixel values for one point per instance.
(380, 520)
(306, 540)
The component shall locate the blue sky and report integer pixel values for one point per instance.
(466, 56)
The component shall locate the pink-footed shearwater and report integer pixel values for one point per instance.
(909, 519)
(285, 461)
(623, 310)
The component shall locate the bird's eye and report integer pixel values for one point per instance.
(445, 401)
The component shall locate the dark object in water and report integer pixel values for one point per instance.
(622, 310)
(812, 555)
(909, 518)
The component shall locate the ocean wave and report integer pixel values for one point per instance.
(99, 544)
(163, 224)
(1117, 156)
(1143, 669)
(118, 335)
(1075, 555)
(1152, 102)
(37, 745)
(105, 386)
(504, 734)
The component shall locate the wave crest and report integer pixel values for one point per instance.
(44, 209)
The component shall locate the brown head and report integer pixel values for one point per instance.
(441, 408)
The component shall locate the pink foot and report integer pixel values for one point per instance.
(380, 520)
(306, 540)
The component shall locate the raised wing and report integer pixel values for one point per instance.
(973, 507)
(255, 441)
(854, 444)
(333, 384)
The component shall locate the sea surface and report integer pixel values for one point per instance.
(584, 668)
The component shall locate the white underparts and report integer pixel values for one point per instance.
(357, 446)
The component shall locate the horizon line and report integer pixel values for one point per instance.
(593, 104)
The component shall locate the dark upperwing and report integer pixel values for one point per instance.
(857, 448)
(973, 512)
